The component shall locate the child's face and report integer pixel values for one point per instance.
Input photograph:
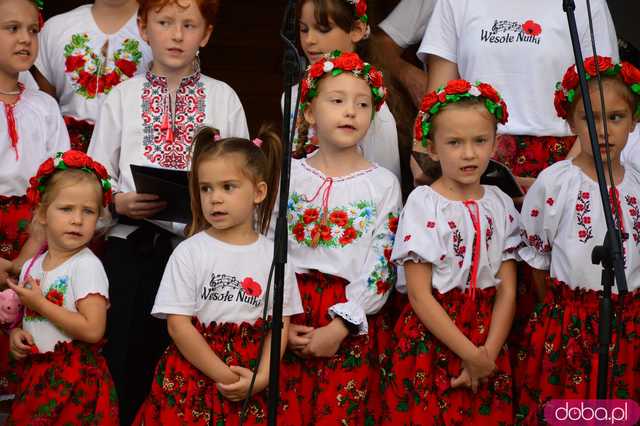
(18, 37)
(463, 143)
(175, 33)
(227, 196)
(70, 219)
(341, 112)
(620, 121)
(317, 40)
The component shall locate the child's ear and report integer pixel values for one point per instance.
(308, 115)
(261, 192)
(40, 216)
(207, 36)
(142, 27)
(358, 32)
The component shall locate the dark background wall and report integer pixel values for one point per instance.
(245, 50)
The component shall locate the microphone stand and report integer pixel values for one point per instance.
(291, 76)
(610, 253)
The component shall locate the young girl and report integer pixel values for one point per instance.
(342, 216)
(457, 241)
(154, 117)
(562, 222)
(85, 53)
(325, 26)
(66, 294)
(213, 290)
(31, 129)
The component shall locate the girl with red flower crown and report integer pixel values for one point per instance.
(85, 53)
(562, 222)
(154, 117)
(31, 129)
(65, 291)
(342, 213)
(325, 26)
(213, 292)
(458, 243)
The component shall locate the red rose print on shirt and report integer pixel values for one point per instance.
(251, 287)
(532, 28)
(431, 224)
(340, 218)
(311, 215)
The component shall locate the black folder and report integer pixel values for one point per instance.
(170, 185)
(499, 175)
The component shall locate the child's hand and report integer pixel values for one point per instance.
(20, 343)
(325, 341)
(298, 338)
(237, 391)
(138, 206)
(29, 292)
(474, 369)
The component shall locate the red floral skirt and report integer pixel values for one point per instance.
(69, 386)
(527, 156)
(422, 369)
(15, 216)
(182, 395)
(561, 360)
(80, 132)
(329, 391)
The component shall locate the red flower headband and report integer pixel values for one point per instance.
(63, 161)
(361, 9)
(566, 89)
(335, 64)
(456, 91)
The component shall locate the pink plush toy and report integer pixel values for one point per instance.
(10, 309)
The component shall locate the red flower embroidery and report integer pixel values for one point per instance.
(348, 236)
(534, 212)
(582, 233)
(325, 232)
(72, 63)
(298, 231)
(579, 207)
(55, 297)
(340, 218)
(431, 224)
(393, 224)
(632, 200)
(251, 287)
(550, 201)
(532, 28)
(310, 215)
(407, 238)
(452, 224)
(382, 287)
(127, 67)
(587, 219)
(585, 195)
(632, 212)
(387, 253)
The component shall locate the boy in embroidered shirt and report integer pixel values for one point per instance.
(150, 120)
(85, 53)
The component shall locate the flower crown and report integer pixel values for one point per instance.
(360, 9)
(335, 64)
(456, 91)
(64, 161)
(566, 89)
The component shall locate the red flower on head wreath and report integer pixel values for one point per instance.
(64, 161)
(360, 9)
(567, 88)
(456, 91)
(335, 64)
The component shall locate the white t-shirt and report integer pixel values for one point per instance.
(630, 155)
(356, 241)
(41, 133)
(78, 277)
(562, 221)
(129, 129)
(522, 48)
(72, 59)
(436, 230)
(407, 23)
(379, 145)
(220, 282)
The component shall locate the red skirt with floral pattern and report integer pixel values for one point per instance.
(15, 216)
(69, 386)
(422, 369)
(80, 132)
(182, 395)
(329, 391)
(561, 360)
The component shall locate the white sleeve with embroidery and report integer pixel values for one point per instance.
(540, 216)
(107, 136)
(369, 291)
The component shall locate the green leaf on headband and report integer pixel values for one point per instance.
(106, 185)
(426, 128)
(41, 188)
(435, 108)
(312, 93)
(336, 72)
(635, 88)
(498, 112)
(491, 106)
(62, 166)
(367, 68)
(571, 94)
